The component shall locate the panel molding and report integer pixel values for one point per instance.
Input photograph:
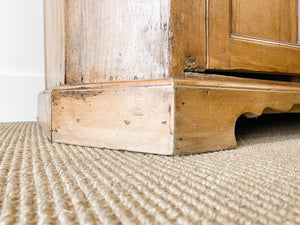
(263, 57)
(263, 41)
(241, 53)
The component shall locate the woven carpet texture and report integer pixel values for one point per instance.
(257, 183)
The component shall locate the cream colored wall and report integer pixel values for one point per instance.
(21, 58)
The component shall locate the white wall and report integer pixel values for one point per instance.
(21, 58)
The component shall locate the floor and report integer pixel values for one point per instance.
(257, 183)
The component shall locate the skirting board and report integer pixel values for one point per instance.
(169, 116)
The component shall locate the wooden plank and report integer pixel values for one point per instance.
(298, 12)
(44, 112)
(216, 77)
(135, 83)
(268, 19)
(169, 116)
(258, 56)
(75, 34)
(218, 34)
(176, 38)
(121, 117)
(236, 83)
(114, 40)
(54, 43)
(205, 116)
(195, 35)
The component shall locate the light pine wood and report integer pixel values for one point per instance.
(114, 40)
(205, 114)
(54, 35)
(195, 35)
(253, 36)
(298, 22)
(218, 35)
(134, 118)
(259, 56)
(243, 81)
(176, 44)
(117, 69)
(168, 116)
(44, 112)
(105, 41)
(268, 19)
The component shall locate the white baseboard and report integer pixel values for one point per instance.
(18, 97)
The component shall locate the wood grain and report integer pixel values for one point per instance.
(168, 116)
(176, 38)
(218, 35)
(54, 35)
(195, 35)
(298, 12)
(136, 118)
(233, 79)
(253, 36)
(252, 55)
(44, 112)
(268, 19)
(206, 112)
(114, 40)
(75, 35)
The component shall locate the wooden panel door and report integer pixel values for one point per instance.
(254, 36)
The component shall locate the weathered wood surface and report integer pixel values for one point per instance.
(298, 22)
(114, 40)
(54, 39)
(105, 41)
(195, 35)
(44, 112)
(269, 19)
(167, 116)
(218, 29)
(263, 56)
(135, 118)
(206, 111)
(253, 36)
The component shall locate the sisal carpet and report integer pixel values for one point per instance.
(258, 183)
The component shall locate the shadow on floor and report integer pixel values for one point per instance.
(268, 128)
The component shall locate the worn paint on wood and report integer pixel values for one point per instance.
(54, 38)
(168, 116)
(44, 112)
(114, 40)
(195, 35)
(136, 118)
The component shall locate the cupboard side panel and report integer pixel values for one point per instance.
(54, 38)
(114, 40)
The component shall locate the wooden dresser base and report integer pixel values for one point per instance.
(169, 116)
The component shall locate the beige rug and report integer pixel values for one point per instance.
(258, 183)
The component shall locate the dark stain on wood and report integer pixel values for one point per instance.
(127, 122)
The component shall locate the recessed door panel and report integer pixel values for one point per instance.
(254, 36)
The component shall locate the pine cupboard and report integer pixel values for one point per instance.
(166, 76)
